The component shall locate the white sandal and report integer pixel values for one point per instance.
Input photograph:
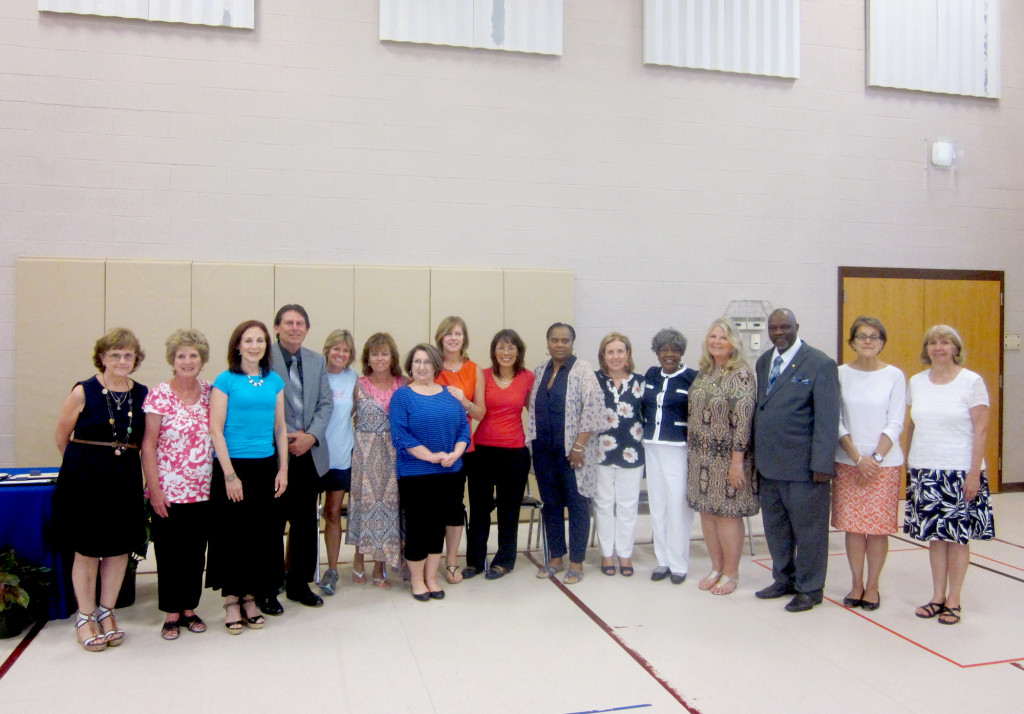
(97, 642)
(114, 636)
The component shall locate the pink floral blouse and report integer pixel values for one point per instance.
(184, 451)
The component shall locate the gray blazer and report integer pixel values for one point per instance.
(317, 401)
(796, 426)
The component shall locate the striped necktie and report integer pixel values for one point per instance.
(774, 374)
(295, 390)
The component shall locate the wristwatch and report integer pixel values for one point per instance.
(877, 457)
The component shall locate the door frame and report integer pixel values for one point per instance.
(846, 271)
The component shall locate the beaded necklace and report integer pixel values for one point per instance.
(111, 400)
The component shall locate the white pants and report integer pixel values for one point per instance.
(615, 505)
(671, 516)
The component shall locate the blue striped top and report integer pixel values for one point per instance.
(437, 422)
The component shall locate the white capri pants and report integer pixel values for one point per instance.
(671, 515)
(615, 507)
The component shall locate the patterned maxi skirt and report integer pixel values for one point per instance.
(936, 509)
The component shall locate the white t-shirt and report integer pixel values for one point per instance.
(943, 430)
(874, 403)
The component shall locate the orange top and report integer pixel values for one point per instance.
(464, 379)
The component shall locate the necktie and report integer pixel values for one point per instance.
(295, 390)
(774, 374)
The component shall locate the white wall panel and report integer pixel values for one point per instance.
(747, 36)
(947, 46)
(515, 25)
(113, 8)
(221, 13)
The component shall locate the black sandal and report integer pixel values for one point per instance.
(932, 609)
(949, 616)
(170, 630)
(235, 627)
(253, 623)
(193, 623)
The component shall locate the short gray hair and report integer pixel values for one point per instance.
(671, 337)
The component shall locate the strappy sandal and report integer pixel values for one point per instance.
(949, 616)
(114, 636)
(931, 610)
(549, 571)
(452, 574)
(234, 627)
(96, 642)
(193, 623)
(710, 581)
(722, 587)
(171, 629)
(572, 576)
(255, 622)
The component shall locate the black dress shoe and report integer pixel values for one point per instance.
(307, 597)
(773, 591)
(804, 602)
(678, 579)
(436, 594)
(470, 572)
(659, 575)
(270, 606)
(422, 597)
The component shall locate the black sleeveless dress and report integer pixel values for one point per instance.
(99, 506)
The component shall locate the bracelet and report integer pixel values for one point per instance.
(859, 459)
(228, 478)
(577, 449)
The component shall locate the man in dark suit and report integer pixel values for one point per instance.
(796, 429)
(308, 403)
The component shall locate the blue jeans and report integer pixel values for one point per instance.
(556, 480)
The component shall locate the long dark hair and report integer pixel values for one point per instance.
(235, 359)
(513, 337)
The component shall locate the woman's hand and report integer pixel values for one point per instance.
(158, 501)
(972, 484)
(868, 467)
(280, 482)
(576, 459)
(458, 394)
(735, 475)
(448, 460)
(233, 487)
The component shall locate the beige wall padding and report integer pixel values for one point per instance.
(64, 305)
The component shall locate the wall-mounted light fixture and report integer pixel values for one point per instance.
(943, 154)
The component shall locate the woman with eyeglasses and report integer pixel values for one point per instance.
(865, 495)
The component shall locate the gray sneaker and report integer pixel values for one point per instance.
(329, 581)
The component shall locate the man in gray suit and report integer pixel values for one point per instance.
(796, 429)
(308, 403)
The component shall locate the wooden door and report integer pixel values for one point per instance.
(908, 302)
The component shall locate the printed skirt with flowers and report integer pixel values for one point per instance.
(936, 509)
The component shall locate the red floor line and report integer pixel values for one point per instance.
(647, 666)
(22, 646)
(1018, 665)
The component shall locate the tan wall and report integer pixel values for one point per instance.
(58, 328)
(666, 192)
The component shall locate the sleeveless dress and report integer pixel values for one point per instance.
(98, 504)
(373, 516)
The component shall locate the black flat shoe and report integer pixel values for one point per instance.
(422, 597)
(270, 606)
(678, 579)
(470, 572)
(659, 575)
(496, 571)
(436, 594)
(871, 606)
(307, 598)
(852, 602)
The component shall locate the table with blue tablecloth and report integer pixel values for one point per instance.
(26, 524)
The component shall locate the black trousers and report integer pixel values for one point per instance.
(497, 478)
(179, 542)
(300, 512)
(423, 501)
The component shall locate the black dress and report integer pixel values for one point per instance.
(98, 503)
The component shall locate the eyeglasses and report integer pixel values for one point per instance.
(120, 356)
(867, 338)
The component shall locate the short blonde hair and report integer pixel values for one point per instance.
(338, 337)
(187, 338)
(445, 327)
(936, 331)
(117, 338)
(616, 337)
(736, 360)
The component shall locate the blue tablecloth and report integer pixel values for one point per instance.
(26, 514)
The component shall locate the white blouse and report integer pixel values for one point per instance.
(943, 430)
(873, 403)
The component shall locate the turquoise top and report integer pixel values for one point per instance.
(249, 425)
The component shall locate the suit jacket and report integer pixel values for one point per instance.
(796, 426)
(317, 401)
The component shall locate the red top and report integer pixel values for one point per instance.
(503, 424)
